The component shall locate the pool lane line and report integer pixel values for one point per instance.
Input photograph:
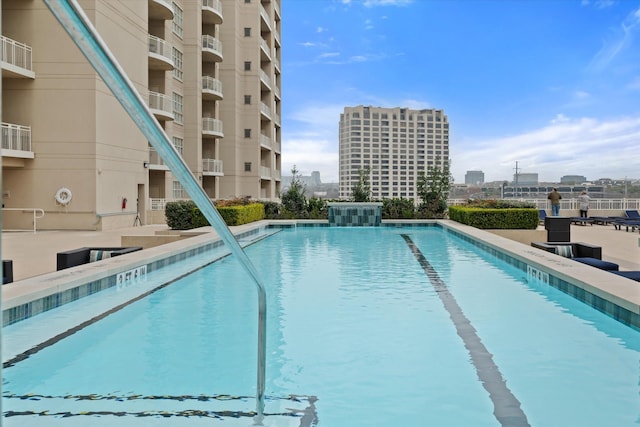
(506, 407)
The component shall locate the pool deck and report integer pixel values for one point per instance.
(34, 254)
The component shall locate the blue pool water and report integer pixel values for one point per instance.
(366, 327)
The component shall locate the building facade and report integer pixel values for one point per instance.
(393, 146)
(210, 72)
(474, 178)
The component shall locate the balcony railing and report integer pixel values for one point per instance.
(160, 50)
(161, 103)
(264, 109)
(265, 141)
(212, 166)
(212, 126)
(265, 47)
(16, 54)
(265, 78)
(212, 45)
(265, 172)
(212, 86)
(265, 16)
(158, 204)
(16, 137)
(154, 157)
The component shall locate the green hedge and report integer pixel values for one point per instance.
(185, 215)
(492, 218)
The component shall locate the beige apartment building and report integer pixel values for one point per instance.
(210, 72)
(394, 145)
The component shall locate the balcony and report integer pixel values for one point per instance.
(212, 167)
(212, 12)
(211, 49)
(277, 147)
(16, 141)
(161, 106)
(265, 172)
(155, 162)
(212, 127)
(211, 88)
(265, 142)
(265, 80)
(265, 110)
(265, 49)
(265, 22)
(16, 59)
(160, 9)
(159, 54)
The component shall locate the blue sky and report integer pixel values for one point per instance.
(551, 84)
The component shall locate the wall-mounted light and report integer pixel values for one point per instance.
(146, 165)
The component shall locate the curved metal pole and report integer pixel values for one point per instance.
(79, 27)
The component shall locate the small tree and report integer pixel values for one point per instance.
(294, 200)
(362, 190)
(433, 189)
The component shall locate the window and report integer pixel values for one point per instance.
(247, 133)
(247, 99)
(247, 31)
(176, 55)
(247, 166)
(179, 144)
(177, 108)
(178, 191)
(247, 66)
(177, 20)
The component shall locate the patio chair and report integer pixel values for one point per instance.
(542, 214)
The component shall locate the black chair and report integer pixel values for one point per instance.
(7, 271)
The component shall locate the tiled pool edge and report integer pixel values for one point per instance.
(53, 300)
(481, 239)
(575, 289)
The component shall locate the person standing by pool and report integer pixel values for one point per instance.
(555, 198)
(583, 199)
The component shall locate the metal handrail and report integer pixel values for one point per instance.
(35, 217)
(75, 22)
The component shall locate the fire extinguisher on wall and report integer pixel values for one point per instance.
(124, 203)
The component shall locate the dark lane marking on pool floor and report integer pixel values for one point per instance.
(506, 406)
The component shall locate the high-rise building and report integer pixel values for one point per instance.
(474, 178)
(210, 72)
(392, 146)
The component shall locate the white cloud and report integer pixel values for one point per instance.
(583, 146)
(619, 42)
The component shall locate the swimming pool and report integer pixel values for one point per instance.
(367, 326)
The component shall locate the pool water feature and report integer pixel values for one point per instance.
(367, 326)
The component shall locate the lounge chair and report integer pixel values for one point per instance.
(580, 252)
(579, 220)
(633, 275)
(632, 214)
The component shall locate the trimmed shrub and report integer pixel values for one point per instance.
(495, 218)
(179, 214)
(185, 215)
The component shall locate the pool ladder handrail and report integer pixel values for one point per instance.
(76, 23)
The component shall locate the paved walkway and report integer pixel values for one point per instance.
(35, 253)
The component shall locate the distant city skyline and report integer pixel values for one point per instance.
(554, 85)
